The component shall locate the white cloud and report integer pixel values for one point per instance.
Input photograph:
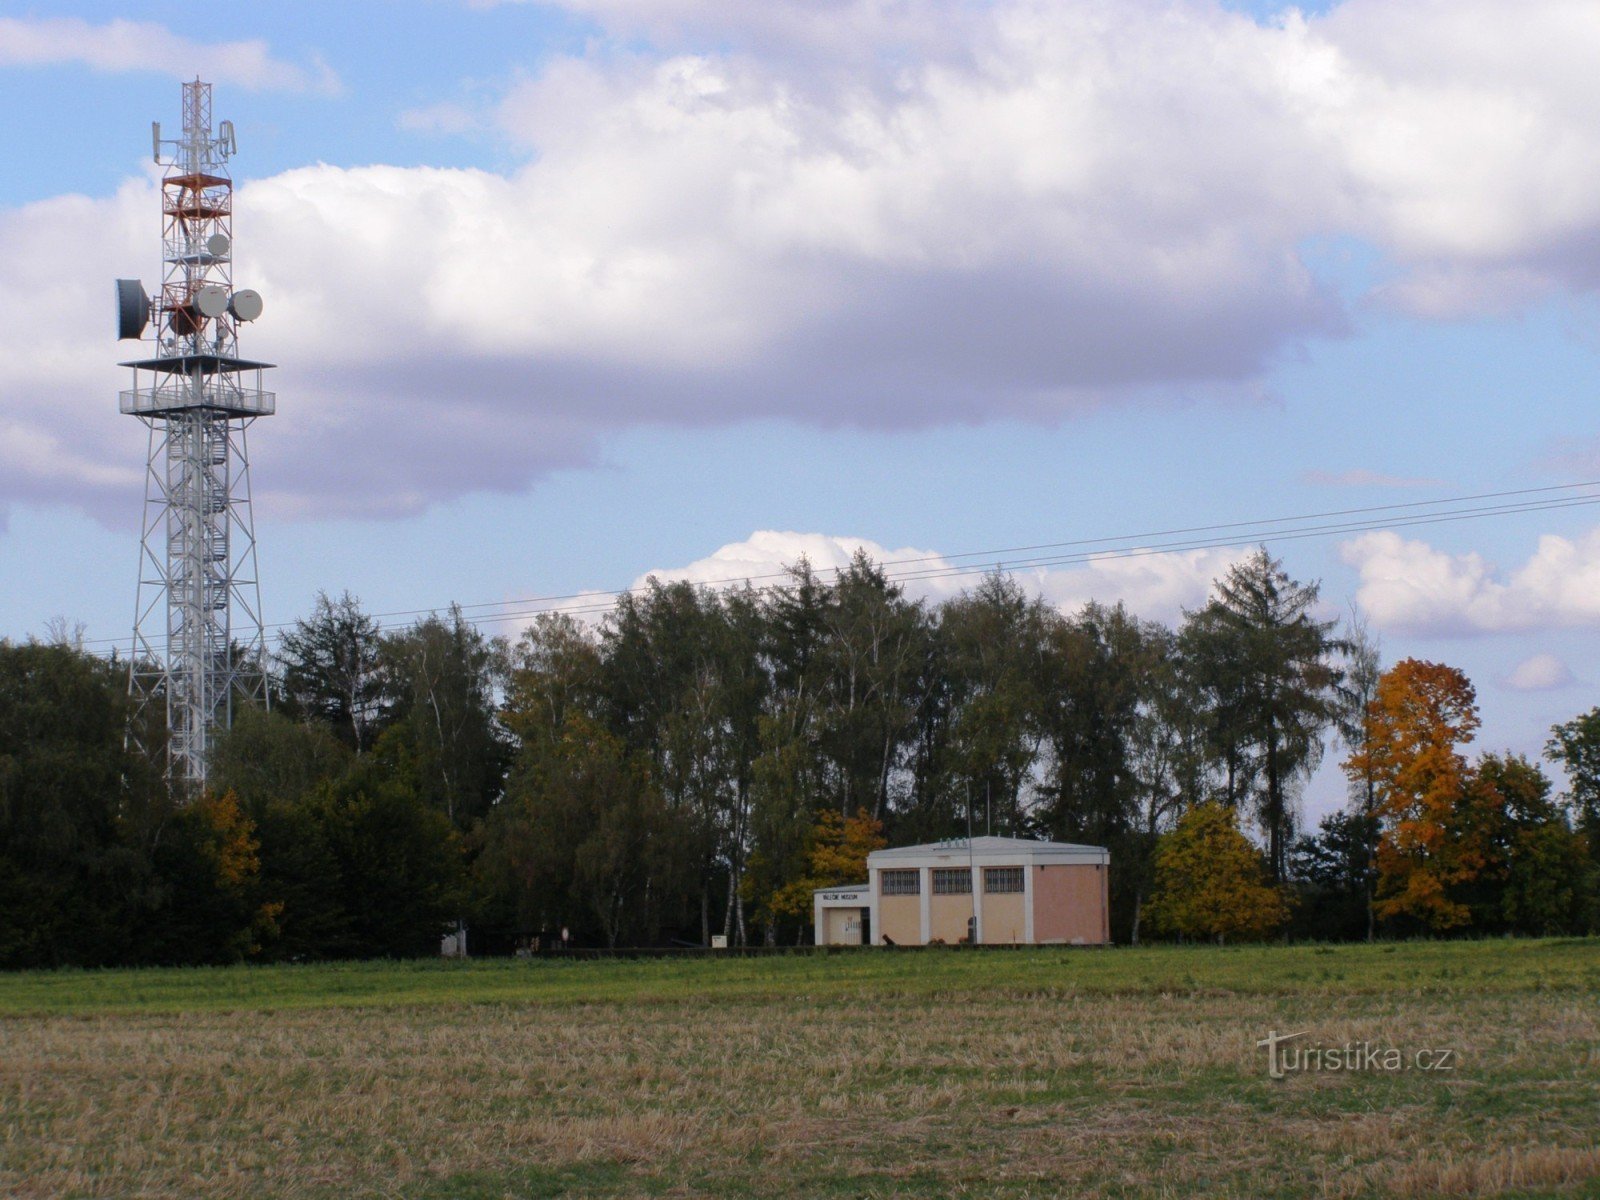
(1541, 673)
(767, 554)
(1454, 133)
(1152, 585)
(1412, 587)
(146, 46)
(1156, 585)
(861, 212)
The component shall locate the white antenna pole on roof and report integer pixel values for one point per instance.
(972, 873)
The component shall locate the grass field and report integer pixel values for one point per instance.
(1031, 1073)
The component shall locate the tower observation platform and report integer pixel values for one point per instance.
(182, 382)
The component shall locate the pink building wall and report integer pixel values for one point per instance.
(1072, 903)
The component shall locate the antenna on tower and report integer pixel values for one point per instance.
(197, 635)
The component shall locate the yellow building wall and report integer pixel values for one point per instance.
(900, 920)
(947, 918)
(1004, 918)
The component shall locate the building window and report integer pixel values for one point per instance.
(952, 881)
(999, 881)
(900, 883)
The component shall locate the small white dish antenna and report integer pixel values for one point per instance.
(218, 245)
(245, 305)
(211, 300)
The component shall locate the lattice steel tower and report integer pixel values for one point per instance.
(197, 638)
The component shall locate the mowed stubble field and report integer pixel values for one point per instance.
(1129, 1072)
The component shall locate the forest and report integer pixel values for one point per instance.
(697, 760)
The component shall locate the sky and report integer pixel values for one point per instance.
(564, 294)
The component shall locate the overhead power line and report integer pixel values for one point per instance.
(1047, 555)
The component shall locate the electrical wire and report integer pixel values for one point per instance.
(1038, 557)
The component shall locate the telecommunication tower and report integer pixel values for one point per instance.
(198, 647)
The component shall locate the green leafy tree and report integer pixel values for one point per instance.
(1103, 668)
(302, 880)
(1550, 885)
(871, 658)
(1534, 863)
(685, 686)
(523, 871)
(440, 678)
(1334, 873)
(1100, 666)
(402, 880)
(1268, 663)
(1356, 690)
(742, 696)
(331, 672)
(996, 641)
(1575, 744)
(209, 861)
(267, 758)
(555, 674)
(583, 841)
(1170, 764)
(278, 769)
(80, 810)
(838, 720)
(787, 797)
(631, 868)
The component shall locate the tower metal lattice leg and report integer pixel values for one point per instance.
(198, 585)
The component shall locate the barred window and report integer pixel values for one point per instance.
(1001, 880)
(900, 883)
(949, 881)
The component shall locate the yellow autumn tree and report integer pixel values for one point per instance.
(837, 855)
(1419, 716)
(1210, 882)
(231, 843)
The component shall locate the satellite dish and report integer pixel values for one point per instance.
(211, 300)
(133, 309)
(218, 245)
(246, 304)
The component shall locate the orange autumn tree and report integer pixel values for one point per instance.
(1419, 716)
(838, 855)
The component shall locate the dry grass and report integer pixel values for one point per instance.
(986, 1094)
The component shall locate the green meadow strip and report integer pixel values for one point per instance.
(1490, 966)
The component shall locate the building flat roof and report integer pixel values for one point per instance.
(990, 849)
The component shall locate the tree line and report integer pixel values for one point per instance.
(698, 760)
